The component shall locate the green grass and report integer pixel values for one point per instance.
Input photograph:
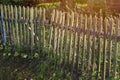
(36, 67)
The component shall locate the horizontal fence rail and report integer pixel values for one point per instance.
(89, 44)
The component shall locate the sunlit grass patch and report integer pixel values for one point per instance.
(82, 5)
(49, 4)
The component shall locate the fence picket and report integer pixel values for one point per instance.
(20, 27)
(27, 29)
(99, 29)
(3, 25)
(32, 29)
(39, 30)
(88, 55)
(109, 46)
(83, 44)
(78, 46)
(24, 27)
(115, 47)
(9, 24)
(12, 27)
(36, 27)
(62, 38)
(16, 25)
(51, 29)
(70, 39)
(43, 27)
(104, 49)
(59, 33)
(6, 23)
(93, 44)
(67, 38)
(74, 43)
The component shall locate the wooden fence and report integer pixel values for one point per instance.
(88, 43)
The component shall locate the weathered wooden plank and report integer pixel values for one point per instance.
(24, 27)
(9, 24)
(67, 38)
(20, 26)
(55, 31)
(3, 31)
(104, 49)
(74, 43)
(32, 29)
(16, 27)
(115, 47)
(83, 54)
(93, 44)
(88, 55)
(12, 27)
(59, 32)
(70, 40)
(43, 27)
(35, 28)
(78, 45)
(6, 22)
(110, 27)
(39, 28)
(99, 29)
(62, 37)
(51, 29)
(28, 28)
